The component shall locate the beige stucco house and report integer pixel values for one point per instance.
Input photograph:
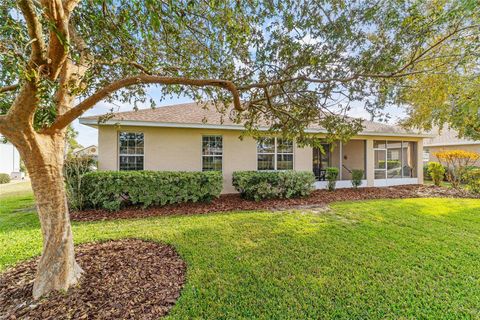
(447, 140)
(189, 137)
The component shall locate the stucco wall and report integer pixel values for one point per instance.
(353, 157)
(179, 149)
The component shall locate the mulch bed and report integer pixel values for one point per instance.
(233, 202)
(124, 279)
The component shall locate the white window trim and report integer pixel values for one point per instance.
(123, 155)
(275, 154)
(210, 155)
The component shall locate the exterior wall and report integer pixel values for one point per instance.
(466, 147)
(353, 157)
(180, 149)
(9, 158)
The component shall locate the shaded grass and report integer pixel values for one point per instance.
(413, 258)
(15, 188)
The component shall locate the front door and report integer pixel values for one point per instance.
(321, 160)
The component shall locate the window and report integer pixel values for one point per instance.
(274, 154)
(394, 159)
(212, 153)
(131, 150)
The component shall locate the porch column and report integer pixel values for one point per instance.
(420, 161)
(340, 169)
(370, 163)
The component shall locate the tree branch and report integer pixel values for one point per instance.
(394, 74)
(69, 5)
(119, 61)
(9, 88)
(21, 113)
(65, 119)
(34, 31)
(59, 36)
(3, 121)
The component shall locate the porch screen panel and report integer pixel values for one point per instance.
(380, 163)
(394, 159)
(410, 159)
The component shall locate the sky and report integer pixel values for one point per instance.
(89, 136)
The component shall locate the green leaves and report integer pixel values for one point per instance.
(110, 190)
(332, 176)
(297, 64)
(257, 185)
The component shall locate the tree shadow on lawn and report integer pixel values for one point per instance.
(398, 258)
(335, 268)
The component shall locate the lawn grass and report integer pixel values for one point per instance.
(382, 259)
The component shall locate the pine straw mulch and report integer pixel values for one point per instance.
(123, 279)
(233, 202)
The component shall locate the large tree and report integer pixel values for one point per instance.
(291, 63)
(449, 97)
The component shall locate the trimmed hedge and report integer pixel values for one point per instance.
(4, 178)
(255, 185)
(111, 189)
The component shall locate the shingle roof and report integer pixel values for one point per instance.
(446, 137)
(207, 114)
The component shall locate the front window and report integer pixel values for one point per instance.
(212, 153)
(394, 159)
(131, 151)
(274, 154)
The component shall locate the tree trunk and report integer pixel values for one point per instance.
(57, 269)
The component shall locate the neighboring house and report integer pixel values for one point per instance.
(446, 140)
(9, 159)
(187, 137)
(90, 151)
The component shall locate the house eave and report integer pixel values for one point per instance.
(450, 144)
(94, 123)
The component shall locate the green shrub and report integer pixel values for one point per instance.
(426, 175)
(331, 175)
(4, 178)
(73, 170)
(112, 189)
(357, 177)
(258, 185)
(436, 171)
(472, 179)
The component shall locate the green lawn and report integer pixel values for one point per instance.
(391, 259)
